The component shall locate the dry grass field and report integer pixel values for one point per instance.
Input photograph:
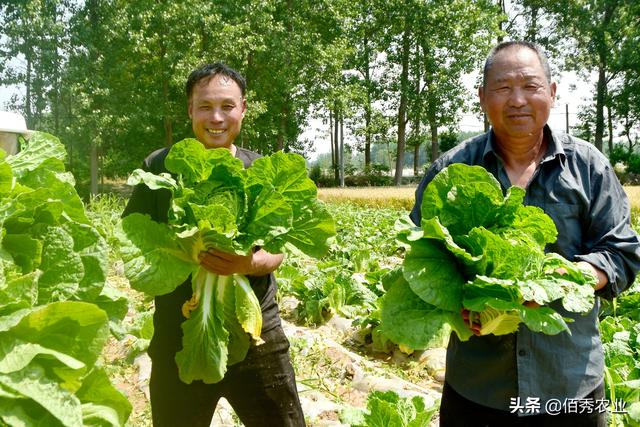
(403, 197)
(372, 197)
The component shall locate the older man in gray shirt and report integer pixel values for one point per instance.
(521, 379)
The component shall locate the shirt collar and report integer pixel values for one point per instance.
(554, 145)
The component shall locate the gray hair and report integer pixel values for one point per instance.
(518, 44)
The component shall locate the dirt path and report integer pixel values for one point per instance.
(334, 372)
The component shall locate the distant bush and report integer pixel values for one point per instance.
(373, 175)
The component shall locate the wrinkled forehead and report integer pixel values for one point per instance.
(516, 62)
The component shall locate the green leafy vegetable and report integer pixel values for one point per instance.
(482, 251)
(216, 203)
(52, 273)
(388, 409)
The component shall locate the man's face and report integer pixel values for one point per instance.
(216, 110)
(517, 96)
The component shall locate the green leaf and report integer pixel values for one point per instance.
(247, 307)
(41, 147)
(463, 197)
(190, 159)
(204, 351)
(154, 261)
(78, 329)
(269, 218)
(433, 275)
(16, 355)
(411, 322)
(33, 383)
(101, 403)
(154, 182)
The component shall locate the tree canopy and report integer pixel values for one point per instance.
(107, 76)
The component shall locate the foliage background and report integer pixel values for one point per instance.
(107, 76)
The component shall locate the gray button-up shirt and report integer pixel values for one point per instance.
(576, 186)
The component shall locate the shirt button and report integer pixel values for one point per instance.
(522, 353)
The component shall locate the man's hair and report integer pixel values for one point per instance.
(516, 44)
(206, 72)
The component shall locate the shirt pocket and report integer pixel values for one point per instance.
(566, 217)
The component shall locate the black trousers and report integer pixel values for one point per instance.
(261, 389)
(457, 411)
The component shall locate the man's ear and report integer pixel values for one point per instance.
(244, 106)
(481, 98)
(553, 88)
(190, 109)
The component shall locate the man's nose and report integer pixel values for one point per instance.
(217, 115)
(517, 97)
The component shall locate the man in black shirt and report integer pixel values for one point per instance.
(262, 388)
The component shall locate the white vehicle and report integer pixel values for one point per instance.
(11, 126)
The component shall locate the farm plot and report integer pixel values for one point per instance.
(330, 313)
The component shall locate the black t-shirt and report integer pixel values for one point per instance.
(167, 319)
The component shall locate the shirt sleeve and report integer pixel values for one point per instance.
(613, 246)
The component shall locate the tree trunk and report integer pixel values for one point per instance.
(341, 150)
(532, 31)
(402, 109)
(27, 98)
(333, 151)
(336, 128)
(500, 38)
(368, 107)
(610, 126)
(600, 93)
(166, 119)
(434, 141)
(282, 129)
(603, 60)
(168, 131)
(94, 167)
(417, 113)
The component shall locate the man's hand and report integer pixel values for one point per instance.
(472, 320)
(257, 263)
(600, 275)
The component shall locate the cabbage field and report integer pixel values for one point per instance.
(330, 309)
(74, 334)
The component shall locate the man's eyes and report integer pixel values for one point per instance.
(226, 107)
(528, 88)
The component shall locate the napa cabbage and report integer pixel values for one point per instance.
(53, 265)
(483, 251)
(216, 203)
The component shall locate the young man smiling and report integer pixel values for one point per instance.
(490, 378)
(262, 388)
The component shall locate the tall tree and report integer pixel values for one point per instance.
(599, 29)
(32, 46)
